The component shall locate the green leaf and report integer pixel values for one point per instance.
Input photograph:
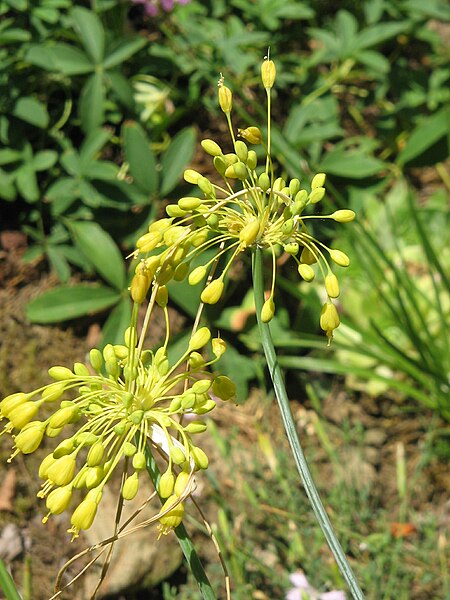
(61, 194)
(91, 32)
(7, 584)
(101, 250)
(69, 302)
(92, 144)
(140, 157)
(43, 160)
(120, 85)
(8, 156)
(176, 158)
(58, 263)
(429, 131)
(123, 52)
(71, 162)
(376, 34)
(102, 170)
(7, 189)
(92, 101)
(352, 164)
(13, 35)
(31, 111)
(374, 60)
(27, 184)
(61, 58)
(115, 325)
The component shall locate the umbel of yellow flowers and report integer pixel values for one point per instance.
(252, 207)
(106, 411)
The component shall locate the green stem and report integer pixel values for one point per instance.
(184, 540)
(291, 432)
(7, 584)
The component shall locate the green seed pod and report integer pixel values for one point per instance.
(173, 210)
(175, 404)
(332, 285)
(196, 275)
(181, 483)
(343, 216)
(136, 416)
(61, 472)
(195, 427)
(219, 346)
(120, 428)
(306, 272)
(196, 361)
(181, 271)
(187, 400)
(204, 407)
(212, 292)
(294, 187)
(279, 184)
(264, 182)
(307, 257)
(316, 195)
(165, 275)
(166, 484)
(206, 187)
(201, 386)
(249, 233)
(224, 388)
(339, 257)
(211, 148)
(96, 359)
(318, 181)
(200, 338)
(139, 461)
(130, 337)
(60, 373)
(288, 227)
(80, 369)
(95, 454)
(241, 150)
(130, 487)
(300, 201)
(129, 449)
(120, 351)
(268, 310)
(200, 458)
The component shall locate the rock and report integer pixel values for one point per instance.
(11, 542)
(139, 560)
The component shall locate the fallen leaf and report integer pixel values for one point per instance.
(401, 530)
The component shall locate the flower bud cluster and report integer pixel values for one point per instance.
(253, 208)
(106, 412)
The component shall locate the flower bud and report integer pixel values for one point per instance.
(343, 216)
(181, 483)
(211, 148)
(94, 476)
(191, 176)
(264, 182)
(252, 160)
(318, 181)
(162, 296)
(225, 98)
(220, 164)
(195, 427)
(196, 275)
(63, 416)
(96, 359)
(294, 187)
(329, 319)
(61, 472)
(130, 487)
(332, 285)
(306, 272)
(58, 500)
(189, 203)
(224, 388)
(316, 195)
(139, 461)
(200, 458)
(252, 135)
(268, 310)
(241, 150)
(11, 402)
(177, 455)
(29, 439)
(196, 361)
(166, 484)
(292, 248)
(149, 241)
(339, 257)
(219, 347)
(173, 210)
(173, 518)
(60, 373)
(140, 285)
(84, 515)
(200, 338)
(129, 449)
(212, 292)
(206, 186)
(249, 233)
(95, 454)
(44, 466)
(268, 73)
(22, 414)
(205, 407)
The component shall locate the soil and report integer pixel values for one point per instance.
(386, 433)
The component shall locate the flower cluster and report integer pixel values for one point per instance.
(152, 8)
(122, 399)
(251, 208)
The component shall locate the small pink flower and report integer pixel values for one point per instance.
(302, 590)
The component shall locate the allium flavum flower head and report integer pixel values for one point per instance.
(107, 412)
(251, 208)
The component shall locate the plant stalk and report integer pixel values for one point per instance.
(291, 432)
